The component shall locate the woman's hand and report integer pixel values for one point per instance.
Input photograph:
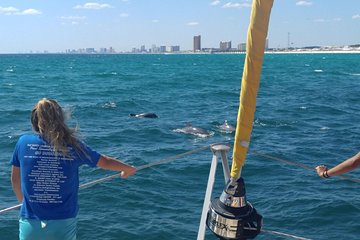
(322, 171)
(128, 171)
(113, 164)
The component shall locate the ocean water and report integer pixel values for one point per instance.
(308, 112)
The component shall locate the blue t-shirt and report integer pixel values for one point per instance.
(49, 181)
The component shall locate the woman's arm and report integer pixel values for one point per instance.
(110, 163)
(344, 167)
(16, 182)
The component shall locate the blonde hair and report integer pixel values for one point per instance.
(47, 118)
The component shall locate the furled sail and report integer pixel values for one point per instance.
(255, 46)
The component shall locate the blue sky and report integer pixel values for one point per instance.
(56, 25)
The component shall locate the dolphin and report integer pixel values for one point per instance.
(189, 129)
(226, 127)
(144, 115)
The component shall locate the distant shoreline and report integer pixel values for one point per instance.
(307, 52)
(199, 53)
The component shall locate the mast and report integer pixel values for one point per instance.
(255, 47)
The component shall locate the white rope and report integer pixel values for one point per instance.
(166, 160)
(284, 234)
(278, 233)
(10, 208)
(355, 180)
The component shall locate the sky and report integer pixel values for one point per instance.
(54, 26)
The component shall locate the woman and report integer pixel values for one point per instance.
(45, 176)
(344, 167)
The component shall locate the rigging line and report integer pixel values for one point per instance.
(282, 160)
(10, 208)
(301, 165)
(332, 152)
(165, 160)
(162, 161)
(284, 234)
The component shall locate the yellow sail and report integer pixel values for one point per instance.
(255, 46)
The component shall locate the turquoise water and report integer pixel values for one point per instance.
(308, 112)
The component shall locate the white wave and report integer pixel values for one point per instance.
(202, 135)
(109, 105)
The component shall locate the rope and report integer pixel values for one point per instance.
(301, 165)
(166, 160)
(10, 208)
(283, 160)
(278, 233)
(172, 158)
(284, 234)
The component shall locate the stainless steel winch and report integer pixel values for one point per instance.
(231, 216)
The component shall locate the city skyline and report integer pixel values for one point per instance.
(224, 47)
(126, 24)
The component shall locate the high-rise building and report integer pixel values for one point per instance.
(175, 48)
(103, 50)
(162, 49)
(90, 50)
(224, 46)
(154, 49)
(197, 43)
(242, 47)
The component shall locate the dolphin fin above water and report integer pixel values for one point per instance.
(226, 127)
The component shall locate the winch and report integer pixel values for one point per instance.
(231, 216)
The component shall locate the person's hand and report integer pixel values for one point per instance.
(322, 171)
(128, 171)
